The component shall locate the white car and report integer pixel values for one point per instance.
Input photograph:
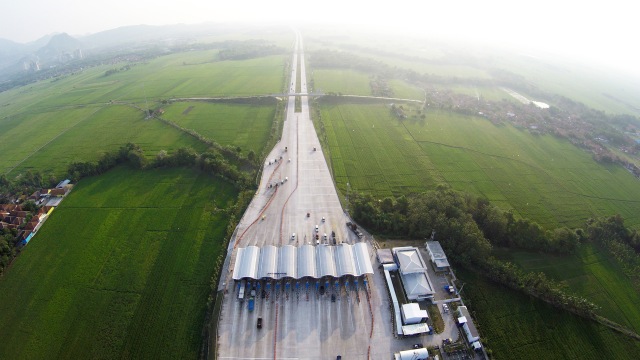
(293, 236)
(317, 228)
(323, 219)
(445, 308)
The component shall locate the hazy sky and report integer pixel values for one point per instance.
(603, 31)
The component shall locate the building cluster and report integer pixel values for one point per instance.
(15, 217)
(413, 289)
(407, 264)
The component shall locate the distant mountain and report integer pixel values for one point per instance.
(57, 49)
(33, 46)
(10, 53)
(140, 34)
(58, 45)
(8, 47)
(131, 34)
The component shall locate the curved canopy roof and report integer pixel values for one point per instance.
(268, 262)
(271, 262)
(345, 260)
(287, 262)
(307, 261)
(326, 261)
(246, 263)
(363, 260)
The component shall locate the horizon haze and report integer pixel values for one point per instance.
(591, 34)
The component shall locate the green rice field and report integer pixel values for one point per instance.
(245, 126)
(539, 177)
(516, 326)
(186, 74)
(348, 82)
(47, 125)
(120, 270)
(351, 82)
(49, 141)
(591, 274)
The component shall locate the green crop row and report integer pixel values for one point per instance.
(120, 270)
(516, 326)
(540, 177)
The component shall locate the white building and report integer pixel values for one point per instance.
(438, 258)
(465, 321)
(412, 314)
(413, 273)
(413, 354)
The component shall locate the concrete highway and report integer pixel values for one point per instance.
(298, 321)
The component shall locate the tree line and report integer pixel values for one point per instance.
(468, 228)
(448, 212)
(211, 161)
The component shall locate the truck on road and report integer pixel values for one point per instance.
(241, 292)
(252, 299)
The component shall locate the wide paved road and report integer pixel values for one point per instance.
(298, 322)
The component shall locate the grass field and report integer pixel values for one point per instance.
(120, 270)
(48, 124)
(349, 82)
(177, 75)
(539, 177)
(591, 274)
(516, 326)
(487, 93)
(402, 89)
(246, 126)
(50, 141)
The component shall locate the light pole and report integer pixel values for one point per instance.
(347, 197)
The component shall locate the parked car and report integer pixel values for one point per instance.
(445, 308)
(259, 323)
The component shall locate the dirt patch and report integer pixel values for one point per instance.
(187, 110)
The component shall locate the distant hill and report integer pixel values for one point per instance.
(55, 49)
(60, 45)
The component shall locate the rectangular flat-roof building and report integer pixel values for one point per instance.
(413, 273)
(412, 314)
(438, 258)
(464, 319)
(385, 256)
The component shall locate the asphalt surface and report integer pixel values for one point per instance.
(297, 321)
